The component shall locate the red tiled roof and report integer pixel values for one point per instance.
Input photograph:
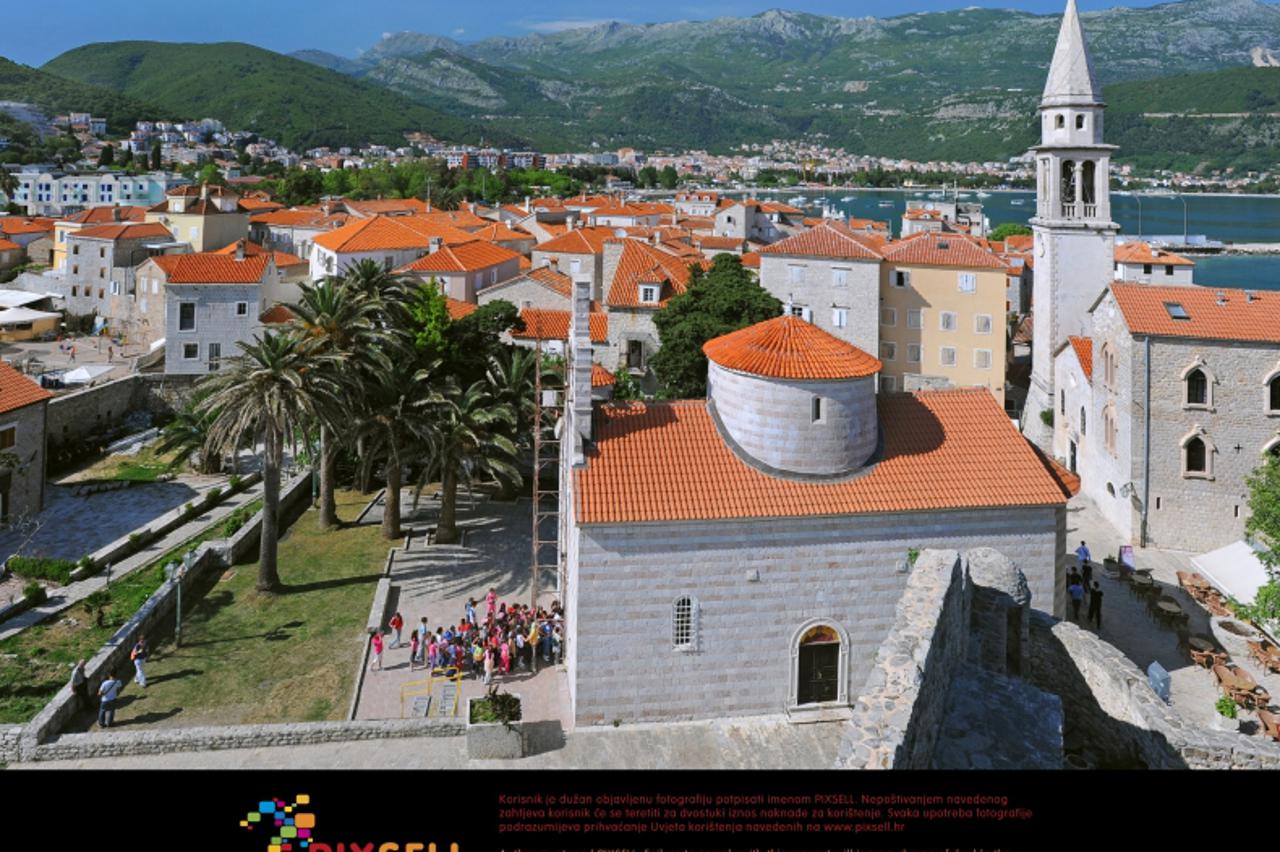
(277, 316)
(642, 262)
(259, 205)
(1019, 242)
(17, 391)
(458, 309)
(552, 279)
(751, 259)
(829, 239)
(465, 257)
(787, 347)
(579, 241)
(251, 249)
(720, 243)
(299, 218)
(1237, 318)
(600, 377)
(8, 245)
(1143, 253)
(949, 449)
(499, 232)
(382, 206)
(107, 215)
(388, 233)
(547, 324)
(125, 231)
(935, 249)
(462, 219)
(1084, 354)
(211, 268)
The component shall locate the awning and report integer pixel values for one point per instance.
(86, 374)
(1235, 570)
(15, 316)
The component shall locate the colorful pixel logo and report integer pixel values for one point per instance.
(290, 827)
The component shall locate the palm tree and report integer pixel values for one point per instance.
(471, 440)
(186, 436)
(274, 390)
(334, 318)
(511, 379)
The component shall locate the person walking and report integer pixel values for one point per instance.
(1077, 596)
(139, 656)
(414, 645)
(1095, 604)
(397, 624)
(488, 666)
(491, 602)
(80, 685)
(506, 657)
(376, 662)
(422, 631)
(471, 611)
(108, 692)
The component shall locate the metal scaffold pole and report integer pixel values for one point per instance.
(546, 460)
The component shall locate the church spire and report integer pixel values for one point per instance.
(1071, 79)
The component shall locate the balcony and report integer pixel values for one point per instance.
(1069, 211)
(1090, 211)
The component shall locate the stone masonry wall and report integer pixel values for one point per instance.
(89, 413)
(817, 291)
(841, 568)
(899, 714)
(1111, 710)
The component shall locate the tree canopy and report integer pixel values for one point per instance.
(1008, 229)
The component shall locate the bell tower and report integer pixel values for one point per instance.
(1074, 234)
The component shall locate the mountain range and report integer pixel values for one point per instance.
(959, 84)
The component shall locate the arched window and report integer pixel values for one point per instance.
(1195, 456)
(1080, 122)
(1068, 182)
(1108, 365)
(684, 623)
(1082, 420)
(1197, 388)
(1060, 121)
(1087, 179)
(1273, 395)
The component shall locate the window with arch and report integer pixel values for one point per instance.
(1068, 182)
(1088, 178)
(1195, 456)
(1197, 388)
(1107, 355)
(1082, 420)
(1273, 395)
(1109, 429)
(1060, 121)
(684, 623)
(1079, 122)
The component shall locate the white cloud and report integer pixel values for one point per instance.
(568, 24)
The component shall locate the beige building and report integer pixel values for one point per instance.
(206, 217)
(942, 315)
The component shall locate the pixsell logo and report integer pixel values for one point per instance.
(290, 826)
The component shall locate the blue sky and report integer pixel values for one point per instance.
(33, 33)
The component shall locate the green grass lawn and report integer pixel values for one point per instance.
(37, 662)
(248, 657)
(144, 466)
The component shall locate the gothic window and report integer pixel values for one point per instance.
(1273, 395)
(1087, 180)
(1194, 456)
(683, 624)
(1060, 121)
(1197, 384)
(1068, 182)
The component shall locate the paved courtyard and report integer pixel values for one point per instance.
(1128, 625)
(437, 580)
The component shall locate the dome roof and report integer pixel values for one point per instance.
(790, 348)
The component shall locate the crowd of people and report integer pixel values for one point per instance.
(507, 637)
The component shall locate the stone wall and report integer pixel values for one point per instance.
(1113, 715)
(756, 584)
(90, 414)
(817, 290)
(10, 743)
(900, 711)
(164, 741)
(24, 483)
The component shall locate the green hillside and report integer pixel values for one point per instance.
(54, 94)
(296, 103)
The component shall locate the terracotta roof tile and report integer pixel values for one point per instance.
(498, 232)
(277, 316)
(458, 308)
(829, 239)
(727, 243)
(934, 249)
(212, 268)
(552, 279)
(383, 206)
(1019, 242)
(579, 241)
(16, 225)
(1145, 312)
(1143, 253)
(8, 245)
(388, 233)
(949, 449)
(107, 215)
(125, 231)
(465, 257)
(1084, 354)
(751, 259)
(600, 377)
(17, 391)
(251, 249)
(787, 347)
(547, 324)
(641, 261)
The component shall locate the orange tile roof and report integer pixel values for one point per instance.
(525, 263)
(388, 233)
(212, 268)
(935, 249)
(552, 279)
(1144, 312)
(458, 309)
(125, 231)
(547, 324)
(18, 391)
(277, 316)
(829, 239)
(251, 249)
(720, 243)
(579, 241)
(15, 225)
(8, 245)
(643, 262)
(1084, 354)
(600, 377)
(751, 259)
(463, 219)
(695, 223)
(299, 218)
(381, 206)
(497, 232)
(948, 449)
(1019, 242)
(1143, 253)
(464, 257)
(787, 347)
(107, 215)
(258, 205)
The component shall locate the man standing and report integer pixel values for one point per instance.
(139, 656)
(1095, 604)
(108, 692)
(1084, 557)
(1077, 596)
(80, 685)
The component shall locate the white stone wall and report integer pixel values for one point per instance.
(524, 292)
(625, 325)
(216, 322)
(817, 291)
(1105, 473)
(341, 261)
(589, 264)
(1068, 427)
(772, 420)
(624, 580)
(26, 481)
(1158, 275)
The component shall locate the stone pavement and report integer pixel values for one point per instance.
(437, 580)
(755, 743)
(66, 596)
(1127, 624)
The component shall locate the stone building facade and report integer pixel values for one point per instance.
(23, 413)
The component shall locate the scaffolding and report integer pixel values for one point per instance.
(547, 411)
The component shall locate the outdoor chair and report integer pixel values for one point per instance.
(1270, 724)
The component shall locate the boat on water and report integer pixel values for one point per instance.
(799, 199)
(847, 199)
(886, 203)
(984, 195)
(936, 195)
(1018, 202)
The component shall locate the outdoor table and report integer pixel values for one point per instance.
(1168, 608)
(1197, 643)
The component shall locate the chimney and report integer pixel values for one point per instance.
(1222, 298)
(115, 214)
(1248, 296)
(569, 222)
(526, 204)
(579, 402)
(433, 245)
(204, 191)
(554, 263)
(239, 249)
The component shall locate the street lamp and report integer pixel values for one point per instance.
(176, 573)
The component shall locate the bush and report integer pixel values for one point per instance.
(1226, 707)
(235, 521)
(35, 593)
(496, 707)
(213, 495)
(135, 542)
(189, 511)
(43, 568)
(234, 482)
(1046, 416)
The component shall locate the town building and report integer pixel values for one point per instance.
(23, 445)
(101, 262)
(577, 252)
(464, 269)
(87, 219)
(1074, 236)
(389, 241)
(45, 191)
(1146, 264)
(205, 217)
(782, 512)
